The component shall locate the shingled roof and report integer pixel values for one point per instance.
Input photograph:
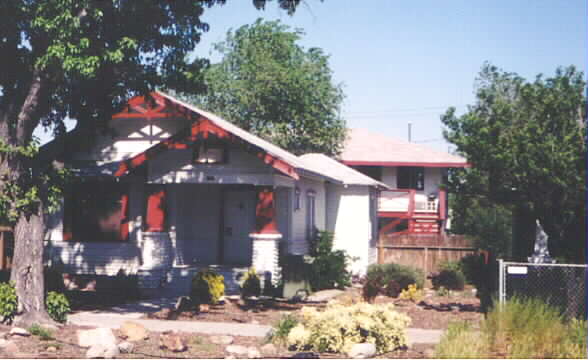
(363, 147)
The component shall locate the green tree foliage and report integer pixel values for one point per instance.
(80, 59)
(488, 224)
(526, 143)
(270, 85)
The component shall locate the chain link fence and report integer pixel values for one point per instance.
(560, 285)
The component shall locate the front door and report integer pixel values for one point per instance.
(238, 223)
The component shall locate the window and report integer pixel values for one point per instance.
(410, 177)
(310, 214)
(297, 199)
(210, 153)
(96, 211)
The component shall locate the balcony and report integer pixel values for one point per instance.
(407, 203)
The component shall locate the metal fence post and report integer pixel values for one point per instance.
(501, 292)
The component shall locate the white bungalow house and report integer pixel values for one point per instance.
(173, 188)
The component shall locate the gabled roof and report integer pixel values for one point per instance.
(337, 172)
(205, 123)
(363, 147)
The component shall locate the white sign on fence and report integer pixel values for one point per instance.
(517, 270)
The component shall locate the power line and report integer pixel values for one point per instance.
(393, 111)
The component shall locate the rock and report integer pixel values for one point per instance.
(255, 322)
(183, 304)
(126, 347)
(133, 331)
(98, 336)
(10, 347)
(362, 351)
(237, 350)
(164, 314)
(51, 349)
(3, 342)
(253, 353)
(222, 339)
(172, 341)
(429, 353)
(203, 308)
(19, 332)
(324, 295)
(102, 351)
(269, 350)
(306, 355)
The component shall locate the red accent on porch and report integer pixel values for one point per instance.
(200, 129)
(156, 214)
(124, 221)
(397, 163)
(428, 220)
(265, 212)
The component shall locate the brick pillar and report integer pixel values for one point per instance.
(266, 236)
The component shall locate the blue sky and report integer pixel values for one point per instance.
(407, 61)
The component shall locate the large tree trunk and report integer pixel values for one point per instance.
(27, 270)
(27, 263)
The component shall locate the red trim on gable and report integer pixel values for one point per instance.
(397, 163)
(203, 127)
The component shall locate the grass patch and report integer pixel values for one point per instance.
(279, 333)
(519, 328)
(41, 332)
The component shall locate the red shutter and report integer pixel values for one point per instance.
(265, 213)
(124, 217)
(156, 210)
(68, 204)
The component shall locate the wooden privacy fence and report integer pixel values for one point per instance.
(424, 251)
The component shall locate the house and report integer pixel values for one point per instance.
(416, 202)
(171, 188)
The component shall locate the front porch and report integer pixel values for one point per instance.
(407, 211)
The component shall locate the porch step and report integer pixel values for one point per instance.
(425, 226)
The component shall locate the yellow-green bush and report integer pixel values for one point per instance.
(412, 293)
(338, 327)
(207, 287)
(519, 328)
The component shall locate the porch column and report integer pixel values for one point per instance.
(156, 249)
(266, 236)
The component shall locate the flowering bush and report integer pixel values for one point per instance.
(412, 293)
(339, 327)
(207, 287)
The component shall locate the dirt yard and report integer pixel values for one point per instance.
(433, 312)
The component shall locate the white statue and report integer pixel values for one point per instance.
(541, 251)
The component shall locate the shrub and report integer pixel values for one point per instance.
(518, 328)
(328, 268)
(401, 274)
(338, 327)
(207, 287)
(57, 306)
(251, 285)
(443, 291)
(371, 288)
(412, 293)
(472, 267)
(42, 333)
(279, 333)
(449, 279)
(8, 302)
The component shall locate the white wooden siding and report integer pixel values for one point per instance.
(298, 244)
(348, 216)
